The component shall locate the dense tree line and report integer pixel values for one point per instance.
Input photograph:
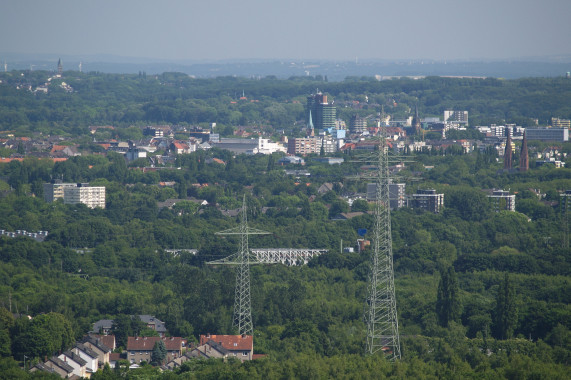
(174, 98)
(479, 293)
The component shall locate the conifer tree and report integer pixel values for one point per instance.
(505, 313)
(159, 353)
(448, 306)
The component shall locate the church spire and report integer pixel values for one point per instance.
(508, 152)
(310, 127)
(59, 67)
(524, 155)
(416, 121)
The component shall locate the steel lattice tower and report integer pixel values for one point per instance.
(242, 318)
(380, 306)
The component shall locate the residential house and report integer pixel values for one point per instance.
(239, 346)
(177, 362)
(74, 360)
(97, 346)
(60, 367)
(327, 187)
(180, 147)
(291, 160)
(107, 340)
(139, 349)
(347, 215)
(42, 367)
(209, 350)
(88, 355)
(103, 326)
(154, 323)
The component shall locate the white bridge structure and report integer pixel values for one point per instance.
(176, 252)
(286, 256)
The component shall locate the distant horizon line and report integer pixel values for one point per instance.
(114, 58)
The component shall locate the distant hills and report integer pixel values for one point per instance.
(333, 70)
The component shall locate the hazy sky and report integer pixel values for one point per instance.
(294, 29)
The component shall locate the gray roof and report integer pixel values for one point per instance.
(96, 342)
(159, 325)
(217, 347)
(75, 357)
(60, 363)
(148, 319)
(102, 324)
(87, 350)
(43, 367)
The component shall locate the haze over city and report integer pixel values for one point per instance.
(177, 30)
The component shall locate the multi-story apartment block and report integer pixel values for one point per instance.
(91, 196)
(547, 134)
(560, 123)
(358, 124)
(54, 191)
(502, 200)
(456, 117)
(397, 196)
(311, 145)
(428, 200)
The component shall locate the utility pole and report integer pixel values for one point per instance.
(380, 306)
(242, 318)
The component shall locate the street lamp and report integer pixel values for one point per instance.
(25, 362)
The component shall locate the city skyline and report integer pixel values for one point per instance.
(255, 29)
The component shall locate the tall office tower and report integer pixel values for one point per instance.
(323, 113)
(524, 156)
(508, 153)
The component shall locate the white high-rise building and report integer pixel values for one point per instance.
(456, 117)
(91, 196)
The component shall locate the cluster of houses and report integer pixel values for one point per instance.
(96, 350)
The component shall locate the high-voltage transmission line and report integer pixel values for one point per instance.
(380, 307)
(242, 318)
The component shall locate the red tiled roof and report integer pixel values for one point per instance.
(178, 145)
(10, 159)
(107, 340)
(230, 342)
(258, 356)
(147, 343)
(57, 148)
(218, 161)
(114, 356)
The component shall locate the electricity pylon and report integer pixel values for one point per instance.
(242, 318)
(380, 307)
